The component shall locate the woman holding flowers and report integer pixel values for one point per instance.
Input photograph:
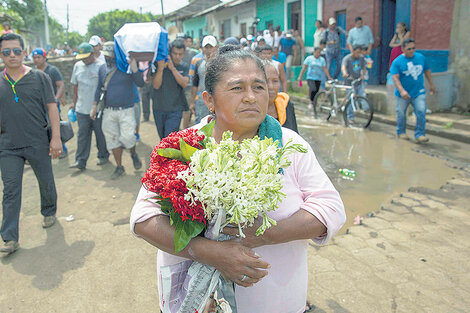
(270, 270)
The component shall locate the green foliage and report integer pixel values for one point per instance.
(108, 23)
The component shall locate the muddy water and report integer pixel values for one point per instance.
(384, 165)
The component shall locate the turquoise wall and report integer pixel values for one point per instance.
(195, 24)
(270, 10)
(310, 18)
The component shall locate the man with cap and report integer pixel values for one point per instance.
(27, 106)
(85, 81)
(40, 62)
(97, 44)
(119, 120)
(197, 105)
(332, 36)
(288, 46)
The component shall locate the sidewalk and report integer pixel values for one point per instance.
(446, 125)
(411, 256)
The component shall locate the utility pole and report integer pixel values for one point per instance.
(68, 21)
(140, 13)
(163, 14)
(46, 25)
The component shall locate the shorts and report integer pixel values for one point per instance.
(119, 127)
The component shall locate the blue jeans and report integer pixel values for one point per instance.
(167, 122)
(330, 56)
(12, 167)
(419, 104)
(86, 126)
(360, 91)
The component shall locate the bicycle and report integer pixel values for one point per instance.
(325, 104)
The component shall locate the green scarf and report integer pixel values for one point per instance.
(270, 128)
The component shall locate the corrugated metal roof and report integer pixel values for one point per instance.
(221, 6)
(194, 7)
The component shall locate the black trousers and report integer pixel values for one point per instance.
(12, 166)
(313, 88)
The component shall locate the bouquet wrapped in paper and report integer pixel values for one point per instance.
(204, 186)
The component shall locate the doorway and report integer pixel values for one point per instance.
(294, 10)
(386, 34)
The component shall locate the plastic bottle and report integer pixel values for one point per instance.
(72, 115)
(347, 173)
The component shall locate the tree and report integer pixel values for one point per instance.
(29, 16)
(108, 23)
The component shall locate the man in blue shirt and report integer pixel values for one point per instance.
(290, 49)
(332, 36)
(407, 72)
(360, 35)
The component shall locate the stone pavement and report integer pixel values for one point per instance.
(411, 256)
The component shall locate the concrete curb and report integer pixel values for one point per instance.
(432, 127)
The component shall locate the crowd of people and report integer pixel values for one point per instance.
(237, 83)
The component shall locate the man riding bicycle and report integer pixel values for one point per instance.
(354, 67)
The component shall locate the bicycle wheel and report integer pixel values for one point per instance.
(361, 112)
(322, 105)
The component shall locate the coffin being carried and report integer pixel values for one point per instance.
(145, 42)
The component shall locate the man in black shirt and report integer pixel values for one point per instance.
(26, 102)
(169, 100)
(40, 61)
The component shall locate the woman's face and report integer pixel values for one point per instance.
(400, 28)
(240, 98)
(317, 24)
(274, 84)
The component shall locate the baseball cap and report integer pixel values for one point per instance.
(108, 49)
(332, 20)
(209, 40)
(259, 38)
(95, 40)
(249, 37)
(243, 41)
(84, 51)
(40, 51)
(289, 34)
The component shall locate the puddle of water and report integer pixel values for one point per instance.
(384, 166)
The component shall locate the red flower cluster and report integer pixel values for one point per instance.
(161, 175)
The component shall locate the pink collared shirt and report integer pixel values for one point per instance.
(284, 289)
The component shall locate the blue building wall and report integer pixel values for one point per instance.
(195, 26)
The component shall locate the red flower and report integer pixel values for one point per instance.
(162, 172)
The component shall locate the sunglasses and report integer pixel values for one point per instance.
(412, 48)
(16, 51)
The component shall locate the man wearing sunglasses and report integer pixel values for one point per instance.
(407, 72)
(27, 100)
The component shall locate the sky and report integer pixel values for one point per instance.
(82, 11)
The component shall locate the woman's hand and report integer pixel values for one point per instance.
(236, 262)
(250, 240)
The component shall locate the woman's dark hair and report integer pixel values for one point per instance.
(177, 44)
(407, 41)
(319, 21)
(12, 36)
(222, 62)
(357, 19)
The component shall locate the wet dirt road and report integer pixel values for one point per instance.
(384, 165)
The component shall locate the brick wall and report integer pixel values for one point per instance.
(369, 10)
(431, 23)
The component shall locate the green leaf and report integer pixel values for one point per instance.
(186, 150)
(207, 129)
(171, 153)
(185, 231)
